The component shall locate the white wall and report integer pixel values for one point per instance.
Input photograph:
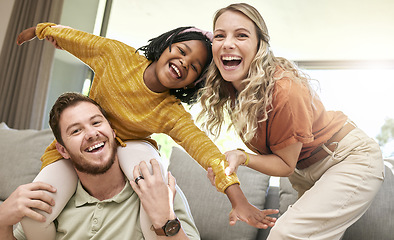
(300, 30)
(69, 73)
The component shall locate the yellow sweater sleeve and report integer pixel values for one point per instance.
(89, 48)
(200, 147)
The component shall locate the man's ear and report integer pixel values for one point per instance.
(62, 150)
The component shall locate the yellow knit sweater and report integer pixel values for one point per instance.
(135, 112)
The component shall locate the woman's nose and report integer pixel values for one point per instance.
(228, 43)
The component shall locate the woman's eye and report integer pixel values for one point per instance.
(243, 35)
(217, 36)
(96, 123)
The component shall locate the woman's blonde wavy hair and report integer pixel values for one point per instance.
(253, 104)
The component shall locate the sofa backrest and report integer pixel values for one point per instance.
(20, 154)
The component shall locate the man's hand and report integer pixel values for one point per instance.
(157, 197)
(20, 203)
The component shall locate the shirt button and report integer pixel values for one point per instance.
(99, 206)
(95, 221)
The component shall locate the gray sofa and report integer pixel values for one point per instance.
(20, 151)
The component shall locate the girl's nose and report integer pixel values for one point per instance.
(184, 63)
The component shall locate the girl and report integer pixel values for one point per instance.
(336, 169)
(142, 96)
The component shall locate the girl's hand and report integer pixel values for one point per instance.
(53, 42)
(234, 159)
(253, 216)
(26, 35)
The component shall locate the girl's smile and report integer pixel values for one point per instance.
(177, 68)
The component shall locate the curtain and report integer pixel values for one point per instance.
(25, 70)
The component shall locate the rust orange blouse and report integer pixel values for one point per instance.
(296, 116)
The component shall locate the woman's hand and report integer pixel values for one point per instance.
(234, 159)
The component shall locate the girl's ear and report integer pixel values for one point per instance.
(62, 150)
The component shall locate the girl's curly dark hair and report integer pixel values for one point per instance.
(157, 45)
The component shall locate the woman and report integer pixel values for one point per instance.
(336, 169)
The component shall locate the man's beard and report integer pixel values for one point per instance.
(94, 169)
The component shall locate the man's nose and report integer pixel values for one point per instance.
(90, 132)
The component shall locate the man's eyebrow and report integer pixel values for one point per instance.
(77, 123)
(190, 50)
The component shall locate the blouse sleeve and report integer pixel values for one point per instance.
(292, 117)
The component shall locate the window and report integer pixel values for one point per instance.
(364, 95)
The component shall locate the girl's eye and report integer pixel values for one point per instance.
(181, 51)
(194, 68)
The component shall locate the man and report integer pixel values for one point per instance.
(104, 205)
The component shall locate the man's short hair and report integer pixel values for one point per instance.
(64, 101)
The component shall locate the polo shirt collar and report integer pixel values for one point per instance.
(82, 197)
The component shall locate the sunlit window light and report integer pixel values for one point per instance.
(86, 87)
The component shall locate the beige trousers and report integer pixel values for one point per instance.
(334, 192)
(62, 176)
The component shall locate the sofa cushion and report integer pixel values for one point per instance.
(287, 195)
(20, 154)
(210, 208)
(378, 221)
